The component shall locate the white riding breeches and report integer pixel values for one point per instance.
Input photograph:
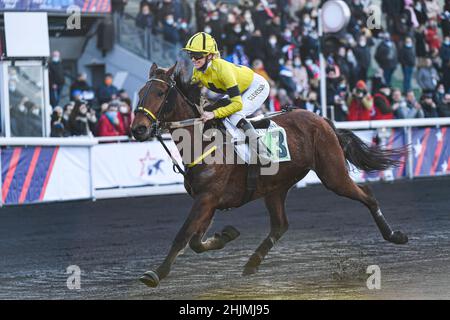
(252, 98)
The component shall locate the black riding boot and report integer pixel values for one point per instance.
(257, 147)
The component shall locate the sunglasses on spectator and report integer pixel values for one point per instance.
(197, 55)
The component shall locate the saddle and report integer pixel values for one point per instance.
(253, 170)
(218, 124)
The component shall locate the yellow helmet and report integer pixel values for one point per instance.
(202, 42)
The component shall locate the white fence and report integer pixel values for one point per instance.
(59, 169)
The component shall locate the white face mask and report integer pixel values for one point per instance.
(123, 109)
(237, 29)
(208, 30)
(169, 21)
(22, 108)
(35, 112)
(273, 41)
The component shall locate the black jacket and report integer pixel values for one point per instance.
(386, 56)
(56, 73)
(407, 56)
(362, 55)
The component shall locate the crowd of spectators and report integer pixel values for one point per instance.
(103, 112)
(279, 40)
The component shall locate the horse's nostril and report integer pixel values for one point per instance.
(140, 130)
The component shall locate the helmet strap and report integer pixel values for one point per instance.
(205, 65)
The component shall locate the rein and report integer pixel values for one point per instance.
(157, 123)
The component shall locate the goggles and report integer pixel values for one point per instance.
(197, 55)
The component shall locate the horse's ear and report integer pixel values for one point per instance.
(171, 70)
(152, 69)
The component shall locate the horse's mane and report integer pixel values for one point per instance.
(190, 90)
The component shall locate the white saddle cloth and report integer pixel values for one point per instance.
(273, 137)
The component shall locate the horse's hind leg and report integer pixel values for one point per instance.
(335, 177)
(278, 226)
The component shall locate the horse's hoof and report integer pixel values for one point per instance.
(150, 279)
(249, 271)
(398, 237)
(230, 233)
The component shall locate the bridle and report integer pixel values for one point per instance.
(158, 122)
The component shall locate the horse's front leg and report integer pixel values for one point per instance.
(216, 242)
(201, 214)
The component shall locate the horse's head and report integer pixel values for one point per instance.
(156, 100)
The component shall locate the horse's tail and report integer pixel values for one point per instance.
(364, 157)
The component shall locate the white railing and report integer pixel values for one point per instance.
(399, 123)
(91, 142)
(407, 124)
(66, 142)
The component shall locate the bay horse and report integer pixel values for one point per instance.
(314, 144)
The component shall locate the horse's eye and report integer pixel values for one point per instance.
(160, 94)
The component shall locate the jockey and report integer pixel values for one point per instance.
(246, 91)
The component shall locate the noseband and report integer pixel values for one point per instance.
(155, 119)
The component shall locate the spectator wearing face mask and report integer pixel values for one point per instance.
(407, 55)
(399, 106)
(429, 107)
(427, 76)
(311, 103)
(57, 123)
(80, 89)
(255, 46)
(56, 78)
(234, 35)
(363, 56)
(443, 108)
(301, 78)
(438, 94)
(272, 54)
(169, 30)
(18, 118)
(214, 27)
(386, 57)
(67, 110)
(81, 121)
(111, 122)
(34, 121)
(382, 109)
(339, 101)
(360, 103)
(414, 110)
(184, 31)
(127, 116)
(107, 91)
